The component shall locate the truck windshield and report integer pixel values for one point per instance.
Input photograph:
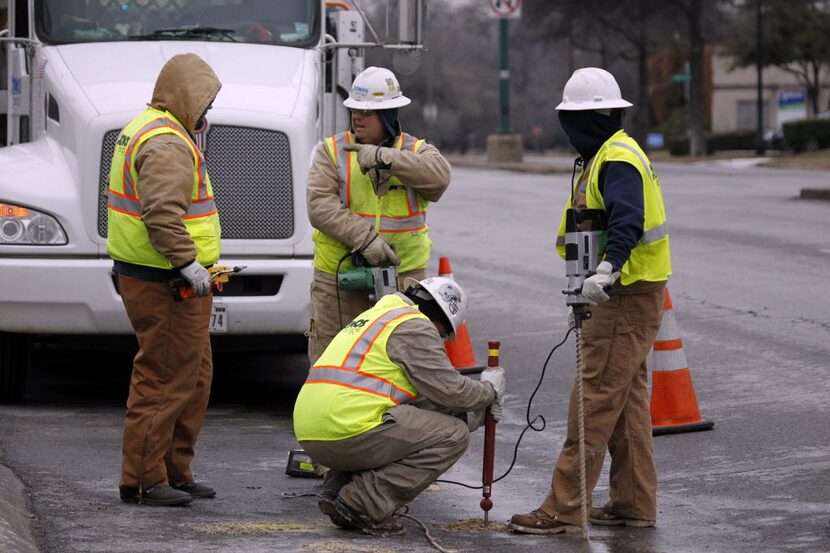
(285, 22)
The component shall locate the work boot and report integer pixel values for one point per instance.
(392, 526)
(605, 517)
(333, 481)
(327, 507)
(199, 491)
(163, 495)
(539, 522)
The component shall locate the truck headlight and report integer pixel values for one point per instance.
(21, 225)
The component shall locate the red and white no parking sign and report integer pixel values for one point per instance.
(508, 9)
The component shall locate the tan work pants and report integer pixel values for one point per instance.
(394, 462)
(616, 340)
(170, 384)
(327, 319)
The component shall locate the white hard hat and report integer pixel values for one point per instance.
(592, 88)
(375, 88)
(449, 296)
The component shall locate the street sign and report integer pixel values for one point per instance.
(504, 9)
(681, 77)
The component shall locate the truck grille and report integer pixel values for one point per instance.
(250, 170)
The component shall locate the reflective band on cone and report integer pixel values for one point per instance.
(460, 351)
(673, 401)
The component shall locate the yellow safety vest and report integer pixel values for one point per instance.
(354, 382)
(127, 237)
(399, 216)
(650, 259)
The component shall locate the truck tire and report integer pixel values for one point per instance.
(15, 360)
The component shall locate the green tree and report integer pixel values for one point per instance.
(795, 38)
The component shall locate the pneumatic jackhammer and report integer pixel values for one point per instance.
(585, 241)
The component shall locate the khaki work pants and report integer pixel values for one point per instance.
(616, 340)
(388, 466)
(327, 319)
(170, 384)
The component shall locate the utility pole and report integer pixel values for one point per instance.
(504, 79)
(759, 49)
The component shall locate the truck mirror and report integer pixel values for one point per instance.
(410, 31)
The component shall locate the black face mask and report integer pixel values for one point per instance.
(588, 130)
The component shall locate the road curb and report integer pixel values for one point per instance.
(15, 520)
(519, 167)
(815, 193)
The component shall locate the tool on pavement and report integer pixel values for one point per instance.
(300, 465)
(489, 441)
(219, 276)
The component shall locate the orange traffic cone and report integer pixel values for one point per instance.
(673, 401)
(460, 352)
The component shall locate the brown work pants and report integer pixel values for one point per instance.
(170, 384)
(388, 466)
(616, 340)
(327, 319)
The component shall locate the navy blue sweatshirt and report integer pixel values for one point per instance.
(620, 184)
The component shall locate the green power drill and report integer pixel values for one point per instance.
(381, 280)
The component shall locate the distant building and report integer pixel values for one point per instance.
(734, 96)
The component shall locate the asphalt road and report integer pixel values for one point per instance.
(750, 296)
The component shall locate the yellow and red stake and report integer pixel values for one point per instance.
(489, 440)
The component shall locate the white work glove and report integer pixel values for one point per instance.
(198, 277)
(496, 377)
(369, 156)
(594, 286)
(378, 253)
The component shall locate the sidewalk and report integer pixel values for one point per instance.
(15, 521)
(543, 164)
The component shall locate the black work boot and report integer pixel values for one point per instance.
(390, 527)
(199, 491)
(163, 495)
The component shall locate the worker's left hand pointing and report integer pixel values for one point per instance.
(594, 286)
(368, 156)
(496, 377)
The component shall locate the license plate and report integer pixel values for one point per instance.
(219, 318)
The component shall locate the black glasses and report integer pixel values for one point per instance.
(363, 112)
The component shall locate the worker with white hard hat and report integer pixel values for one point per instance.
(627, 296)
(368, 191)
(384, 408)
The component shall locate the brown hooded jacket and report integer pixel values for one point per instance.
(185, 87)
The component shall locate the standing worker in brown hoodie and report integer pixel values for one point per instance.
(163, 224)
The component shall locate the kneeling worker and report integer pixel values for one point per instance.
(358, 412)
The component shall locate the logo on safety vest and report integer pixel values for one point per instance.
(357, 324)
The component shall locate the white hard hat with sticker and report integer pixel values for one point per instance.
(376, 88)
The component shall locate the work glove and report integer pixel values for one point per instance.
(594, 286)
(369, 156)
(378, 253)
(571, 320)
(198, 277)
(496, 377)
(475, 419)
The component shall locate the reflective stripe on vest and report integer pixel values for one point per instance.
(348, 373)
(416, 219)
(128, 202)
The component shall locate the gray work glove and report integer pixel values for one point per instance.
(594, 286)
(496, 377)
(369, 156)
(475, 419)
(571, 320)
(198, 277)
(378, 253)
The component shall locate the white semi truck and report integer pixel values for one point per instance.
(74, 72)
